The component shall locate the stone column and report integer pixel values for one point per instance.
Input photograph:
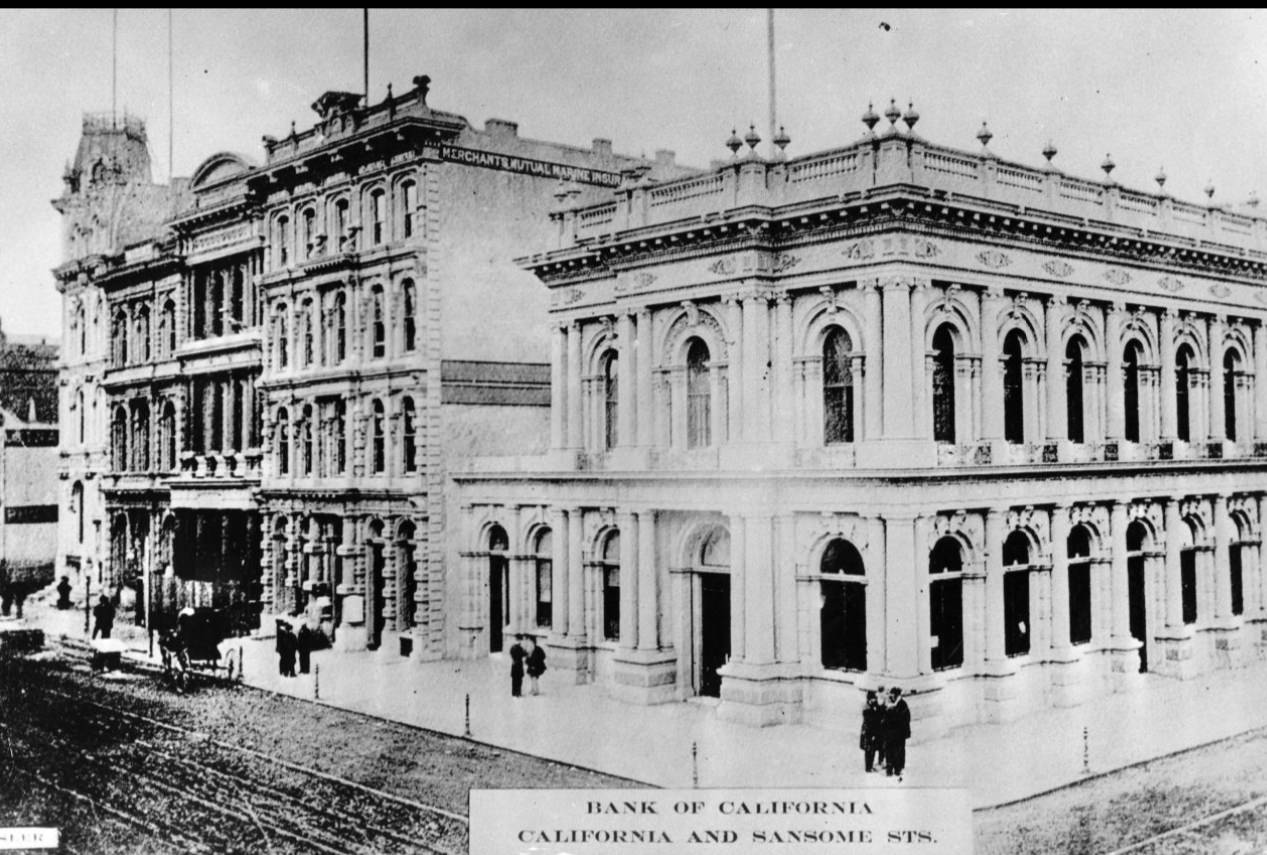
(558, 387)
(736, 369)
(1169, 406)
(645, 365)
(575, 440)
(1220, 563)
(923, 620)
(760, 619)
(648, 599)
(901, 595)
(994, 647)
(756, 375)
(1116, 402)
(786, 412)
(785, 589)
(625, 389)
(1057, 416)
(1061, 647)
(738, 587)
(1260, 381)
(1218, 424)
(991, 373)
(878, 568)
(921, 424)
(1119, 611)
(629, 542)
(559, 571)
(872, 379)
(896, 355)
(577, 619)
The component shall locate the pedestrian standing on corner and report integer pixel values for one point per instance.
(897, 729)
(517, 657)
(871, 740)
(103, 614)
(536, 663)
(63, 593)
(286, 645)
(303, 642)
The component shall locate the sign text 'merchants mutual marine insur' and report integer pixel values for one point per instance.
(528, 166)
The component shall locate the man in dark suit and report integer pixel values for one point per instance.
(517, 656)
(897, 729)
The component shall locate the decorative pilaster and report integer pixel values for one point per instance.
(874, 391)
(1169, 406)
(1057, 416)
(625, 373)
(991, 373)
(1218, 422)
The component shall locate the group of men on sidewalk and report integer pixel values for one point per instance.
(886, 725)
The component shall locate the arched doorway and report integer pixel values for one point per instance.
(945, 603)
(712, 610)
(375, 617)
(1136, 586)
(498, 588)
(1016, 618)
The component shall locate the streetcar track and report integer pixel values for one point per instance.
(114, 720)
(1191, 826)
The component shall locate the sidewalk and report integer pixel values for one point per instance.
(581, 725)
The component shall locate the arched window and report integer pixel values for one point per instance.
(1188, 572)
(168, 324)
(408, 435)
(1183, 384)
(837, 387)
(308, 317)
(216, 307)
(81, 406)
(119, 439)
(1131, 359)
(306, 428)
(378, 323)
(408, 321)
(498, 587)
(378, 430)
(1013, 388)
(283, 442)
(543, 578)
(77, 507)
(611, 399)
(1078, 550)
(309, 232)
(1235, 568)
(407, 570)
(378, 217)
(282, 236)
(140, 436)
(80, 330)
(1231, 366)
(281, 344)
(609, 568)
(844, 607)
(1137, 539)
(944, 384)
(409, 208)
(340, 436)
(699, 429)
(945, 603)
(143, 334)
(119, 338)
(1016, 594)
(340, 219)
(1073, 389)
(237, 301)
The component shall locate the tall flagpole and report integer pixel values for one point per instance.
(171, 105)
(769, 18)
(114, 69)
(365, 32)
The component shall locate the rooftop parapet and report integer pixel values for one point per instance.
(902, 159)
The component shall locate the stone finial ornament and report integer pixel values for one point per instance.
(1209, 189)
(870, 119)
(911, 116)
(734, 143)
(752, 138)
(782, 140)
(893, 113)
(985, 135)
(1050, 151)
(1160, 177)
(1108, 166)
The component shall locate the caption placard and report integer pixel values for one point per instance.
(889, 821)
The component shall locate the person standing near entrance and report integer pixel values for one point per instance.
(103, 614)
(536, 663)
(517, 657)
(897, 729)
(871, 741)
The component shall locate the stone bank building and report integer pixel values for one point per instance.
(893, 413)
(267, 366)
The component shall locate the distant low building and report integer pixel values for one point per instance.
(28, 464)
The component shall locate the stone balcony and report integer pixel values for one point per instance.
(223, 464)
(898, 160)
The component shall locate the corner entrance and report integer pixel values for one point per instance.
(1137, 602)
(714, 631)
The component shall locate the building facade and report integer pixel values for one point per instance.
(291, 357)
(890, 414)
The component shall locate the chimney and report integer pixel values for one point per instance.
(602, 147)
(501, 127)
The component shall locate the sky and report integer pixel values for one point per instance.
(1179, 89)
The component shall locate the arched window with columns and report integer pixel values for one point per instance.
(340, 320)
(1078, 551)
(281, 343)
(945, 603)
(119, 439)
(339, 229)
(143, 334)
(1183, 396)
(378, 217)
(1074, 398)
(168, 325)
(1235, 565)
(543, 577)
(283, 442)
(140, 436)
(409, 315)
(944, 384)
(409, 208)
(378, 435)
(82, 407)
(308, 321)
(407, 574)
(408, 435)
(340, 436)
(378, 323)
(1132, 360)
(609, 584)
(306, 430)
(309, 220)
(167, 436)
(1188, 532)
(843, 620)
(119, 338)
(838, 387)
(77, 508)
(1016, 618)
(1014, 387)
(699, 391)
(611, 395)
(281, 236)
(1231, 370)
